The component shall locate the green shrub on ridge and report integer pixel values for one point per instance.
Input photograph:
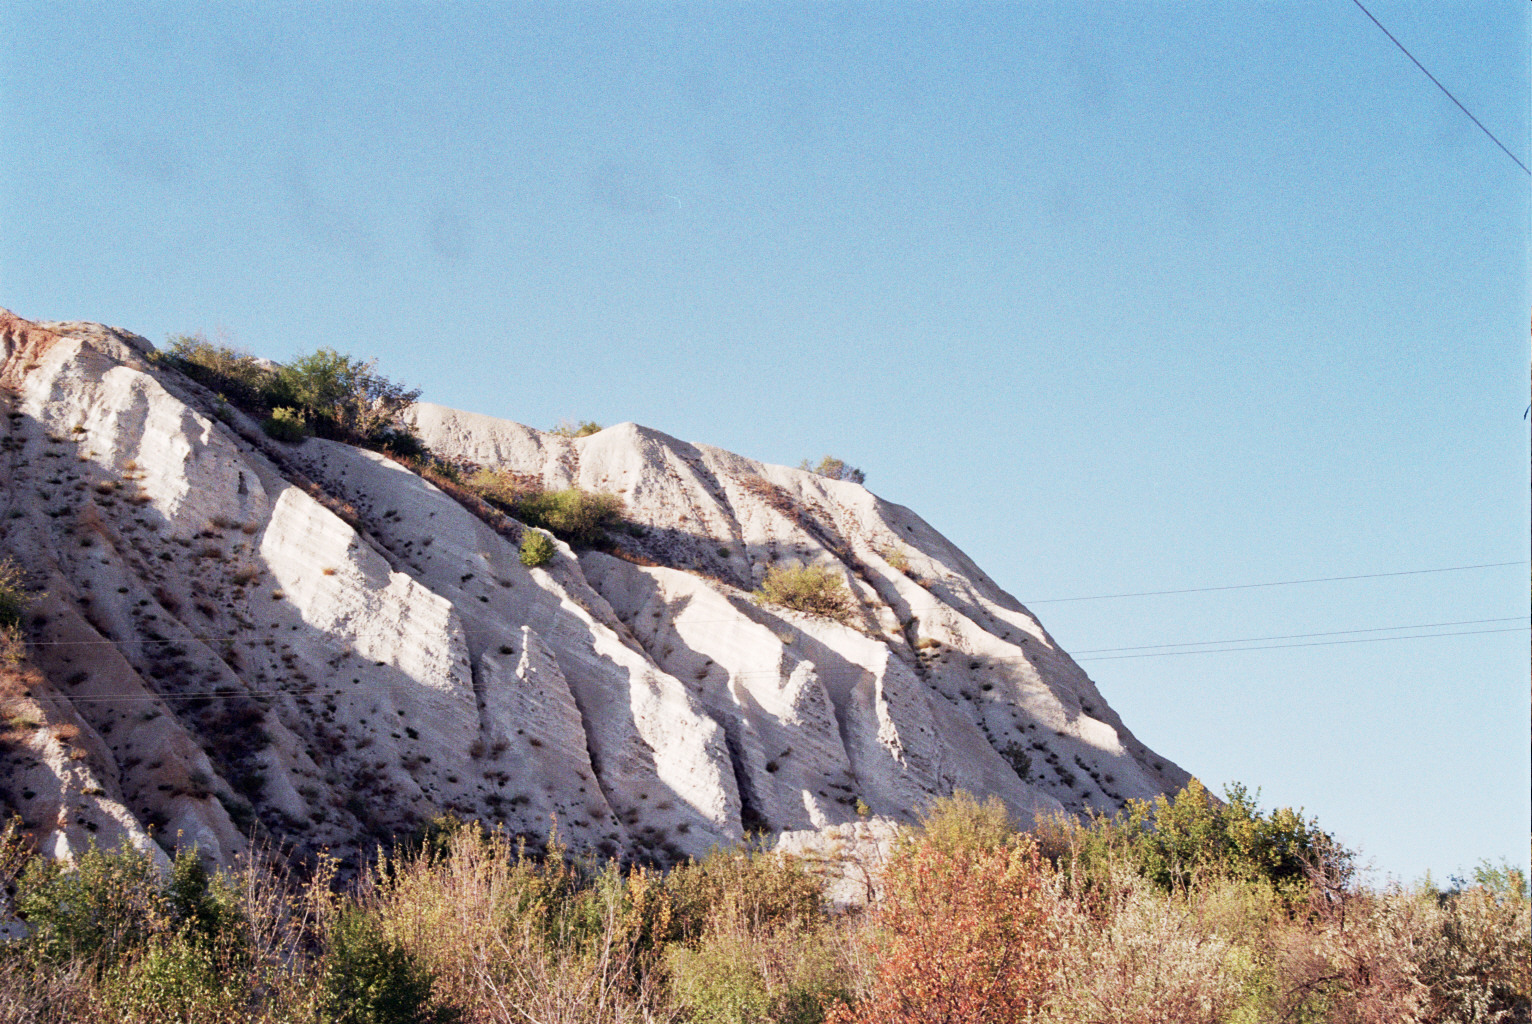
(584, 428)
(286, 424)
(536, 549)
(815, 589)
(326, 392)
(579, 518)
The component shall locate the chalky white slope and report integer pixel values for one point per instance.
(312, 641)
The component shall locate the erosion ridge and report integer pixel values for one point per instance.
(236, 636)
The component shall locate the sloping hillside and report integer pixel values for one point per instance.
(236, 635)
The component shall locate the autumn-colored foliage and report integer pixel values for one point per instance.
(974, 922)
(966, 932)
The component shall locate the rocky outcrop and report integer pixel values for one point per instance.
(313, 642)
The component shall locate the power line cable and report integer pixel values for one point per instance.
(254, 636)
(1443, 88)
(261, 638)
(1301, 636)
(223, 692)
(1320, 643)
(1275, 583)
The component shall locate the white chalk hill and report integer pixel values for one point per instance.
(238, 637)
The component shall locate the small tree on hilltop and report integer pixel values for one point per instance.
(334, 388)
(835, 469)
(584, 428)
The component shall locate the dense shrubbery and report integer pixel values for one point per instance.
(976, 923)
(580, 518)
(1178, 841)
(239, 376)
(344, 394)
(370, 978)
(966, 926)
(286, 424)
(326, 392)
(13, 605)
(816, 589)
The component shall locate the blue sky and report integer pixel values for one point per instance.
(1121, 297)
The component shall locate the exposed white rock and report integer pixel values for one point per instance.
(848, 859)
(314, 640)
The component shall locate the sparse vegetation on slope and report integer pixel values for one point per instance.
(326, 392)
(897, 557)
(580, 518)
(815, 589)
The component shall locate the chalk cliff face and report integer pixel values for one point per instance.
(239, 637)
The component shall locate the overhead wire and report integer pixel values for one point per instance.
(1275, 583)
(1442, 87)
(223, 692)
(1301, 636)
(1318, 643)
(256, 636)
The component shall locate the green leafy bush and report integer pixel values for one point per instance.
(203, 906)
(1176, 841)
(93, 911)
(246, 380)
(815, 589)
(835, 469)
(579, 518)
(177, 979)
(346, 393)
(325, 392)
(536, 549)
(367, 978)
(286, 424)
(400, 442)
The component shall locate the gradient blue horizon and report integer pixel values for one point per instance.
(1119, 297)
